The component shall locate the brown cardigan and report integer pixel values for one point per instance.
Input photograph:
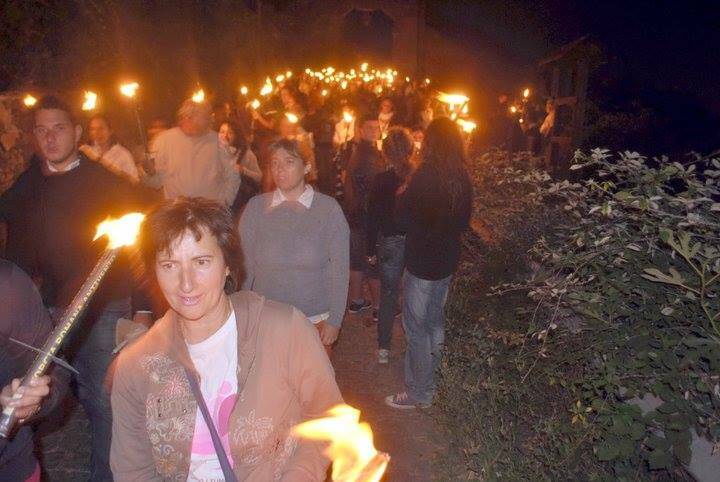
(284, 378)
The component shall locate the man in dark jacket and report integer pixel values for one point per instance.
(24, 318)
(52, 212)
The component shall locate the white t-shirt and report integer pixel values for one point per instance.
(118, 158)
(215, 359)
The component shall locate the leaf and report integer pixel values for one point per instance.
(659, 460)
(666, 234)
(575, 167)
(657, 443)
(682, 452)
(606, 452)
(667, 311)
(637, 431)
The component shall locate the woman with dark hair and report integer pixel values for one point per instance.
(434, 211)
(105, 149)
(232, 139)
(213, 389)
(296, 244)
(385, 242)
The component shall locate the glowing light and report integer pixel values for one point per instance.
(308, 71)
(351, 448)
(465, 109)
(324, 92)
(467, 125)
(291, 117)
(452, 99)
(120, 232)
(279, 78)
(347, 117)
(129, 89)
(29, 100)
(90, 100)
(427, 81)
(198, 96)
(343, 84)
(407, 79)
(453, 116)
(288, 74)
(364, 67)
(244, 90)
(267, 88)
(255, 104)
(526, 93)
(513, 109)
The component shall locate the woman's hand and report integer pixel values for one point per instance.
(89, 152)
(328, 333)
(32, 395)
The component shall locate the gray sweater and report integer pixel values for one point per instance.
(296, 255)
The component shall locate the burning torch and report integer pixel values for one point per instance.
(121, 232)
(129, 90)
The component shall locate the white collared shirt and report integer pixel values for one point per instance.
(306, 198)
(70, 167)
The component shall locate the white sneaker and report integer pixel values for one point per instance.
(383, 356)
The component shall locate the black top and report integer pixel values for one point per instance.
(381, 208)
(24, 318)
(432, 243)
(52, 218)
(361, 170)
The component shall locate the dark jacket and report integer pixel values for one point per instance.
(52, 220)
(381, 209)
(433, 227)
(24, 318)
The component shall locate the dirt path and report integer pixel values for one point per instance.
(410, 436)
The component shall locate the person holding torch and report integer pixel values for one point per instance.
(51, 212)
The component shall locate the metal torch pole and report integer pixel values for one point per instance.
(8, 420)
(148, 166)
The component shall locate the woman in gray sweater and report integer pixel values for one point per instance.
(296, 244)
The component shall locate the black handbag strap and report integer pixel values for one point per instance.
(228, 473)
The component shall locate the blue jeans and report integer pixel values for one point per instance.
(424, 323)
(91, 353)
(390, 253)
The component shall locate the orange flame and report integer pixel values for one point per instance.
(90, 100)
(120, 232)
(198, 96)
(29, 100)
(452, 99)
(355, 458)
(129, 89)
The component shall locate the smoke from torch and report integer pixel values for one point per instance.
(121, 232)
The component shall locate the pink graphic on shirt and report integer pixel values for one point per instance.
(220, 408)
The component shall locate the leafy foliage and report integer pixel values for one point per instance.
(619, 300)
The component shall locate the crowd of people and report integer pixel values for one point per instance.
(265, 227)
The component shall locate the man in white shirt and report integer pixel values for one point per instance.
(189, 160)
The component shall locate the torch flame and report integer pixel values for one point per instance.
(467, 125)
(513, 109)
(355, 458)
(292, 117)
(120, 232)
(347, 117)
(29, 100)
(526, 93)
(364, 67)
(255, 104)
(90, 100)
(198, 96)
(452, 99)
(130, 89)
(243, 90)
(267, 88)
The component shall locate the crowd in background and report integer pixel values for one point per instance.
(341, 200)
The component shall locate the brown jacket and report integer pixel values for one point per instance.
(284, 377)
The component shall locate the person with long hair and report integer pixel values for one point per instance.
(231, 139)
(296, 243)
(434, 211)
(213, 389)
(105, 149)
(385, 242)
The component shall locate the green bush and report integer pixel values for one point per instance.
(620, 299)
